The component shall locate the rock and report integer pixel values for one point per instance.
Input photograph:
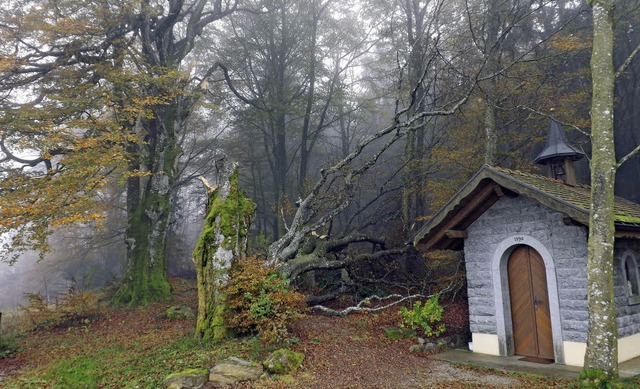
(422, 347)
(181, 312)
(396, 333)
(188, 379)
(233, 370)
(283, 362)
(415, 348)
(454, 341)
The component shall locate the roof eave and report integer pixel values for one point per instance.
(574, 212)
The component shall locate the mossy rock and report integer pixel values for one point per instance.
(396, 333)
(181, 312)
(283, 361)
(187, 379)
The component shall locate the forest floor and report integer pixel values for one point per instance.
(137, 348)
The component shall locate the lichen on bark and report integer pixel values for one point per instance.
(223, 239)
(602, 339)
(145, 277)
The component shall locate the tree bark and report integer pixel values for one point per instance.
(149, 208)
(223, 240)
(491, 53)
(413, 183)
(148, 218)
(602, 345)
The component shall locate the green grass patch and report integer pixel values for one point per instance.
(130, 366)
(121, 348)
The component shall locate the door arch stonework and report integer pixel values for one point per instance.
(499, 275)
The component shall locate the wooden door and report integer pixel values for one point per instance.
(532, 335)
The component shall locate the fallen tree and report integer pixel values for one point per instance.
(310, 242)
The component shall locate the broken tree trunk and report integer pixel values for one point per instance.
(223, 239)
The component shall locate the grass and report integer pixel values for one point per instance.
(119, 348)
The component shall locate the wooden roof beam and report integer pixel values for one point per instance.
(456, 234)
(477, 200)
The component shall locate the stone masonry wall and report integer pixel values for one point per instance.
(567, 245)
(628, 314)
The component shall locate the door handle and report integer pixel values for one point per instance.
(536, 302)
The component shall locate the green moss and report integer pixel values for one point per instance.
(626, 218)
(395, 333)
(283, 361)
(188, 372)
(145, 277)
(181, 312)
(230, 217)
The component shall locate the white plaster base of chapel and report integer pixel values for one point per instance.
(485, 344)
(628, 348)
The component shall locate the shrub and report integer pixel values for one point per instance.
(37, 311)
(261, 300)
(423, 316)
(8, 344)
(598, 379)
(70, 307)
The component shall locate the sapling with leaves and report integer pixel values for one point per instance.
(424, 316)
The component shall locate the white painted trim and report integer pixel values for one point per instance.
(574, 353)
(501, 294)
(485, 344)
(628, 347)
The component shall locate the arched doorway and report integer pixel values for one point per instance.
(530, 314)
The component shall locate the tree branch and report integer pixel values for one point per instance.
(626, 157)
(627, 61)
(362, 305)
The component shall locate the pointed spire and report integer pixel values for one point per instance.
(557, 146)
(558, 155)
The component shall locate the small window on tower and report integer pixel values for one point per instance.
(631, 279)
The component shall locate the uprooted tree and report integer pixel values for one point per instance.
(309, 243)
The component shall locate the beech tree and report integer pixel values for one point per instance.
(90, 89)
(602, 341)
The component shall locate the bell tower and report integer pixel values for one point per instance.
(558, 155)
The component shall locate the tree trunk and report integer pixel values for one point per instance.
(223, 239)
(491, 135)
(602, 345)
(491, 53)
(148, 221)
(412, 181)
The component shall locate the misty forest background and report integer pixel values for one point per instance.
(288, 89)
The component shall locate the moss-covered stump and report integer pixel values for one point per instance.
(223, 239)
(187, 379)
(283, 361)
(181, 312)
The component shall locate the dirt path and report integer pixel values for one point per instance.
(353, 352)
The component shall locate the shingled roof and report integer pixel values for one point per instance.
(443, 231)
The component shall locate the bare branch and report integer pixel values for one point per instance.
(627, 61)
(362, 305)
(626, 157)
